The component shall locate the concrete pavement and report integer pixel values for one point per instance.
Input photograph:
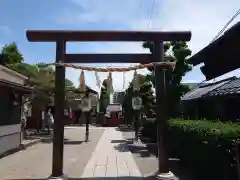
(36, 161)
(105, 156)
(111, 159)
(144, 153)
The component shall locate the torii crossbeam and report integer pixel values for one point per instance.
(61, 37)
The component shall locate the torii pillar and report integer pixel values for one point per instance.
(61, 37)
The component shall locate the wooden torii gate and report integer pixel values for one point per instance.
(62, 37)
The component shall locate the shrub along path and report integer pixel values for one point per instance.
(207, 147)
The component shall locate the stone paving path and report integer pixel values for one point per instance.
(35, 163)
(106, 156)
(111, 159)
(144, 154)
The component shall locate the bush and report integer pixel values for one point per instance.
(149, 129)
(207, 147)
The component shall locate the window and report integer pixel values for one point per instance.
(9, 113)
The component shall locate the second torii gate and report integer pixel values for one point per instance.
(62, 37)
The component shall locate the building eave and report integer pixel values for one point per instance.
(15, 73)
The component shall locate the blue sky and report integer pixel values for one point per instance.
(204, 18)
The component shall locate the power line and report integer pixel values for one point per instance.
(150, 14)
(224, 28)
(149, 26)
(123, 80)
(226, 25)
(221, 31)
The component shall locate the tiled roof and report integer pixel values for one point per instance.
(204, 89)
(232, 87)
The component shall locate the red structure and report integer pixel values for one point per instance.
(114, 120)
(113, 114)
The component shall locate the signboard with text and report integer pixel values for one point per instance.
(136, 103)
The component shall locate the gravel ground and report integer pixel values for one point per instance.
(35, 162)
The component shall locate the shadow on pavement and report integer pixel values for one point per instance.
(40, 135)
(145, 150)
(152, 177)
(118, 141)
(150, 150)
(73, 142)
(124, 128)
(66, 141)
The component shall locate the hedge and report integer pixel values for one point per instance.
(207, 147)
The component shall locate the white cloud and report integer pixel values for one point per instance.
(105, 12)
(1, 46)
(5, 30)
(203, 18)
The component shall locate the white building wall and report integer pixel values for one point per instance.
(111, 98)
(10, 135)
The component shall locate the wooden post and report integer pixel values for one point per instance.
(238, 158)
(136, 114)
(59, 101)
(87, 121)
(161, 113)
(158, 55)
(136, 124)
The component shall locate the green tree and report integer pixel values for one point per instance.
(39, 75)
(148, 98)
(70, 90)
(43, 78)
(104, 97)
(69, 84)
(145, 93)
(10, 54)
(175, 89)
